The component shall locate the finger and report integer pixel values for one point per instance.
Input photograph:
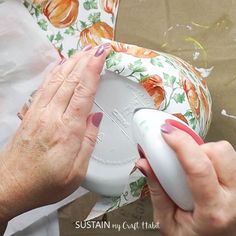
(200, 173)
(163, 206)
(88, 144)
(79, 96)
(56, 77)
(223, 158)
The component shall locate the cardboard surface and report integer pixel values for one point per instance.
(199, 31)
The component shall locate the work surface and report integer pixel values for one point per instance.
(202, 32)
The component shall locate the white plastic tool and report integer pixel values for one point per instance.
(162, 159)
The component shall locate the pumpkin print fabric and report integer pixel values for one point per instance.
(175, 86)
(72, 24)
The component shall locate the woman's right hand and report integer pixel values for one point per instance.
(211, 175)
(47, 158)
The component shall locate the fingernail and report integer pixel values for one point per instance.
(97, 118)
(87, 47)
(141, 152)
(141, 170)
(167, 129)
(99, 51)
(62, 61)
(106, 45)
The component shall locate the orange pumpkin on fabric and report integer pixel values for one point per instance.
(133, 50)
(145, 192)
(154, 86)
(109, 6)
(205, 103)
(39, 2)
(192, 96)
(93, 34)
(197, 73)
(61, 13)
(181, 117)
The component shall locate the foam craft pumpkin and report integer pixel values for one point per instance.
(61, 13)
(131, 81)
(109, 6)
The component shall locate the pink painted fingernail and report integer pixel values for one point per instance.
(62, 61)
(106, 45)
(87, 47)
(97, 118)
(99, 51)
(167, 129)
(141, 152)
(141, 170)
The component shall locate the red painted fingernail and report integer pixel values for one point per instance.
(87, 47)
(141, 152)
(141, 170)
(97, 118)
(99, 51)
(167, 129)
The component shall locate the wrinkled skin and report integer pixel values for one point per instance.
(47, 158)
(211, 176)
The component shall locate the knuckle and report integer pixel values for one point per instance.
(74, 126)
(201, 169)
(209, 148)
(223, 146)
(57, 77)
(74, 77)
(83, 91)
(42, 121)
(91, 139)
(219, 219)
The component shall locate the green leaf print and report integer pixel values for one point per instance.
(26, 4)
(179, 98)
(143, 77)
(170, 80)
(170, 63)
(188, 113)
(136, 66)
(136, 187)
(156, 62)
(51, 37)
(43, 24)
(94, 17)
(83, 25)
(37, 11)
(113, 59)
(58, 37)
(71, 52)
(70, 31)
(60, 48)
(90, 4)
(193, 122)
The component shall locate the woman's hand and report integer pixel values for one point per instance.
(211, 176)
(48, 157)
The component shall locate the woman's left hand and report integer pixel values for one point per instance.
(47, 158)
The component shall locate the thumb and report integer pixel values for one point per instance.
(200, 173)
